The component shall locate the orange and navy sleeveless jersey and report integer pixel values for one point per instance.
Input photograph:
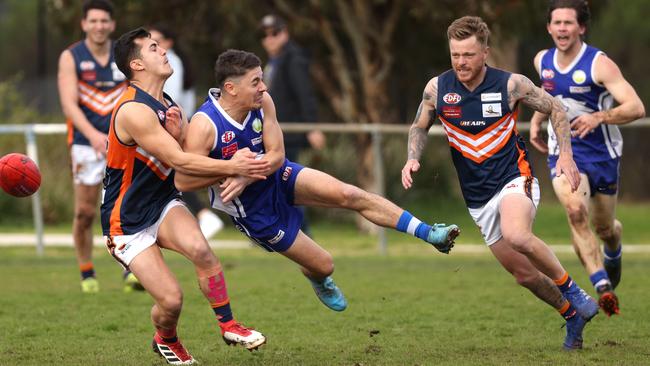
(137, 186)
(99, 87)
(486, 148)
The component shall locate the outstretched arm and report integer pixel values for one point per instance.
(630, 105)
(520, 88)
(137, 123)
(417, 139)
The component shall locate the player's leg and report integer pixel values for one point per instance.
(317, 265)
(541, 286)
(180, 232)
(610, 231)
(315, 188)
(150, 267)
(85, 206)
(517, 212)
(209, 222)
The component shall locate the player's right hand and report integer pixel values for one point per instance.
(536, 138)
(247, 164)
(99, 142)
(410, 167)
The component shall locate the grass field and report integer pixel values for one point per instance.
(421, 308)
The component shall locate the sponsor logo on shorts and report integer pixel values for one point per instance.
(227, 137)
(451, 98)
(229, 150)
(512, 185)
(277, 238)
(124, 248)
(452, 112)
(548, 74)
(286, 173)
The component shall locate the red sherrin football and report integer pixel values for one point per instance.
(19, 175)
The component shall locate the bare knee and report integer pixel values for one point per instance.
(171, 303)
(350, 195)
(324, 267)
(521, 241)
(577, 214)
(201, 254)
(84, 215)
(605, 231)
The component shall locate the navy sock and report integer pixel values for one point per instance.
(613, 255)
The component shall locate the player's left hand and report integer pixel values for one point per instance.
(584, 124)
(174, 123)
(233, 187)
(565, 165)
(410, 167)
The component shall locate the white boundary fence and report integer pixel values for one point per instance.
(30, 131)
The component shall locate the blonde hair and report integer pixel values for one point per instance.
(467, 26)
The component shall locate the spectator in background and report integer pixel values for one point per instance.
(180, 86)
(286, 76)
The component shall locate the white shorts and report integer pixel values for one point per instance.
(488, 217)
(126, 247)
(87, 166)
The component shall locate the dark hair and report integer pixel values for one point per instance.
(467, 26)
(126, 50)
(580, 6)
(104, 5)
(188, 72)
(234, 63)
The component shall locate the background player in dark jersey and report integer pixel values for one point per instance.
(585, 80)
(477, 106)
(89, 85)
(243, 116)
(141, 209)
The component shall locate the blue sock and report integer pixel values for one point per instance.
(613, 255)
(407, 223)
(599, 278)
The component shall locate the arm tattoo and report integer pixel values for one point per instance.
(417, 139)
(523, 89)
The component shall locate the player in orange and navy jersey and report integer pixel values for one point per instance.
(477, 106)
(89, 85)
(142, 210)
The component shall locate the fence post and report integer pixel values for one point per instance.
(32, 152)
(380, 181)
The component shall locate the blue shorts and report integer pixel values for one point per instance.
(276, 226)
(603, 175)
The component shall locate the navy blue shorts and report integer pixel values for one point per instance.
(603, 175)
(276, 228)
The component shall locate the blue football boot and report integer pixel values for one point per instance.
(442, 237)
(584, 304)
(574, 327)
(329, 294)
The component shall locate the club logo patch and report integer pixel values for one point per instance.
(451, 98)
(257, 125)
(579, 76)
(491, 110)
(548, 74)
(86, 65)
(227, 137)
